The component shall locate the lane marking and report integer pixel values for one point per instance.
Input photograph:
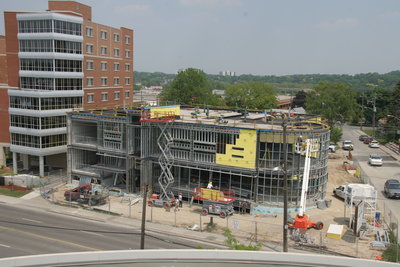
(92, 233)
(31, 220)
(48, 238)
(2, 245)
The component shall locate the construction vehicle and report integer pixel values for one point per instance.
(215, 201)
(159, 201)
(302, 221)
(84, 195)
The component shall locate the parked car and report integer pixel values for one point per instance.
(332, 148)
(392, 188)
(347, 145)
(362, 137)
(375, 160)
(340, 191)
(374, 144)
(368, 140)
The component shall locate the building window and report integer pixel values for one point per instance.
(116, 81)
(90, 98)
(116, 66)
(104, 96)
(127, 39)
(89, 32)
(116, 52)
(89, 49)
(127, 67)
(104, 35)
(103, 50)
(89, 65)
(116, 37)
(103, 81)
(127, 81)
(127, 53)
(103, 65)
(116, 95)
(89, 81)
(127, 93)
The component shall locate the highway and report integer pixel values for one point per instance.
(375, 174)
(26, 231)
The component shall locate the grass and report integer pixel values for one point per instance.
(12, 193)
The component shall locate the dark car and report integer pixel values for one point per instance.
(362, 137)
(368, 140)
(392, 188)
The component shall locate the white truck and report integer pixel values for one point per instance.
(347, 145)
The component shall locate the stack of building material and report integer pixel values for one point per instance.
(335, 231)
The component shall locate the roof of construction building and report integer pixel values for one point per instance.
(260, 120)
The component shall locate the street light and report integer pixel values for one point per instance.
(397, 118)
(285, 189)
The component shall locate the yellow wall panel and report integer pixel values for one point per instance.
(243, 154)
(158, 112)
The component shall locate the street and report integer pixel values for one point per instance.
(26, 231)
(376, 175)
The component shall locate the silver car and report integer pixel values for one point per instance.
(374, 144)
(375, 160)
(392, 188)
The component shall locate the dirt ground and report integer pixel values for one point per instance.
(266, 229)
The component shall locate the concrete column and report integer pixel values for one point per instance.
(41, 166)
(25, 161)
(2, 156)
(15, 167)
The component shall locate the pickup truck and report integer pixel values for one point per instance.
(84, 195)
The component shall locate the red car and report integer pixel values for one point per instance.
(368, 140)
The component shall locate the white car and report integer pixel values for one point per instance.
(374, 144)
(375, 160)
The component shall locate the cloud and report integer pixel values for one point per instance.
(390, 16)
(210, 2)
(131, 9)
(339, 24)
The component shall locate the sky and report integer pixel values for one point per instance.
(259, 37)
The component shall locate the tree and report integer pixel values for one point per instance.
(253, 95)
(333, 101)
(189, 87)
(336, 135)
(300, 99)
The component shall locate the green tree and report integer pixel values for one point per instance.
(253, 95)
(336, 135)
(333, 101)
(189, 87)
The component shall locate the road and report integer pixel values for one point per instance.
(26, 231)
(376, 175)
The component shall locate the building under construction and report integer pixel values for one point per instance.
(177, 149)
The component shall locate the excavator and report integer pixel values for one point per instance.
(302, 221)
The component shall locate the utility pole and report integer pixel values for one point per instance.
(285, 195)
(142, 233)
(373, 114)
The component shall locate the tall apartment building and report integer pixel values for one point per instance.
(57, 61)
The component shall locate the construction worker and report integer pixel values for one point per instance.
(180, 200)
(209, 186)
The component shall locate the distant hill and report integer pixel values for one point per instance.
(360, 82)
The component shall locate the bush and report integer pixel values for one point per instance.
(234, 244)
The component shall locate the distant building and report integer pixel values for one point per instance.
(53, 62)
(227, 73)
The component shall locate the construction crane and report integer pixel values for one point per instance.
(302, 220)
